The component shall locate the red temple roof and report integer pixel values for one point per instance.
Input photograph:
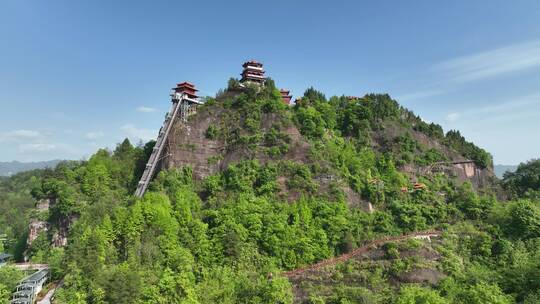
(253, 71)
(286, 97)
(186, 84)
(187, 88)
(252, 63)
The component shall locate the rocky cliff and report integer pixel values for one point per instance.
(190, 144)
(452, 163)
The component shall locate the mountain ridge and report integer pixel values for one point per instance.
(14, 167)
(501, 169)
(250, 188)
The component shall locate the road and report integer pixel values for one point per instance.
(30, 266)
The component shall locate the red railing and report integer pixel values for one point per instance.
(358, 251)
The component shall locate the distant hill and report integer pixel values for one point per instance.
(500, 169)
(14, 167)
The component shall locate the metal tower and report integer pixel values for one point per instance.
(184, 103)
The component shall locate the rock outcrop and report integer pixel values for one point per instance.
(38, 225)
(44, 204)
(34, 229)
(455, 166)
(189, 145)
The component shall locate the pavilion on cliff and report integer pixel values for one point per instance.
(286, 96)
(253, 72)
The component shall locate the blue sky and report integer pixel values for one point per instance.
(79, 75)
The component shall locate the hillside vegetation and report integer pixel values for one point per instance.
(291, 186)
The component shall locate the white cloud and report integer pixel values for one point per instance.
(25, 133)
(515, 108)
(136, 133)
(94, 135)
(513, 58)
(451, 117)
(518, 103)
(36, 147)
(418, 95)
(143, 109)
(19, 135)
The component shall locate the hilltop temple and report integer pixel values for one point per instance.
(253, 72)
(286, 96)
(188, 89)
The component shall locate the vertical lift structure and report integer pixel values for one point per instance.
(184, 103)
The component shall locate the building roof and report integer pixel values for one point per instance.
(25, 286)
(36, 276)
(186, 85)
(24, 293)
(252, 62)
(20, 301)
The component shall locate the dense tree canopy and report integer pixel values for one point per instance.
(525, 181)
(226, 238)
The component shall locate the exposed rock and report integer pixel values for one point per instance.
(44, 204)
(188, 144)
(427, 253)
(328, 278)
(60, 236)
(421, 275)
(34, 229)
(463, 170)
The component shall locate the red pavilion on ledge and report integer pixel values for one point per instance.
(253, 72)
(188, 89)
(285, 96)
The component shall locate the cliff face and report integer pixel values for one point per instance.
(469, 171)
(37, 225)
(330, 277)
(216, 137)
(455, 165)
(189, 144)
(34, 229)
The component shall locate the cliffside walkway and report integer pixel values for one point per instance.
(459, 162)
(467, 165)
(426, 235)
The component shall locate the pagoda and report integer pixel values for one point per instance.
(285, 96)
(188, 89)
(253, 72)
(186, 94)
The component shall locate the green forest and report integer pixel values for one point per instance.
(228, 238)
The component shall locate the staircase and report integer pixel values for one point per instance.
(153, 161)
